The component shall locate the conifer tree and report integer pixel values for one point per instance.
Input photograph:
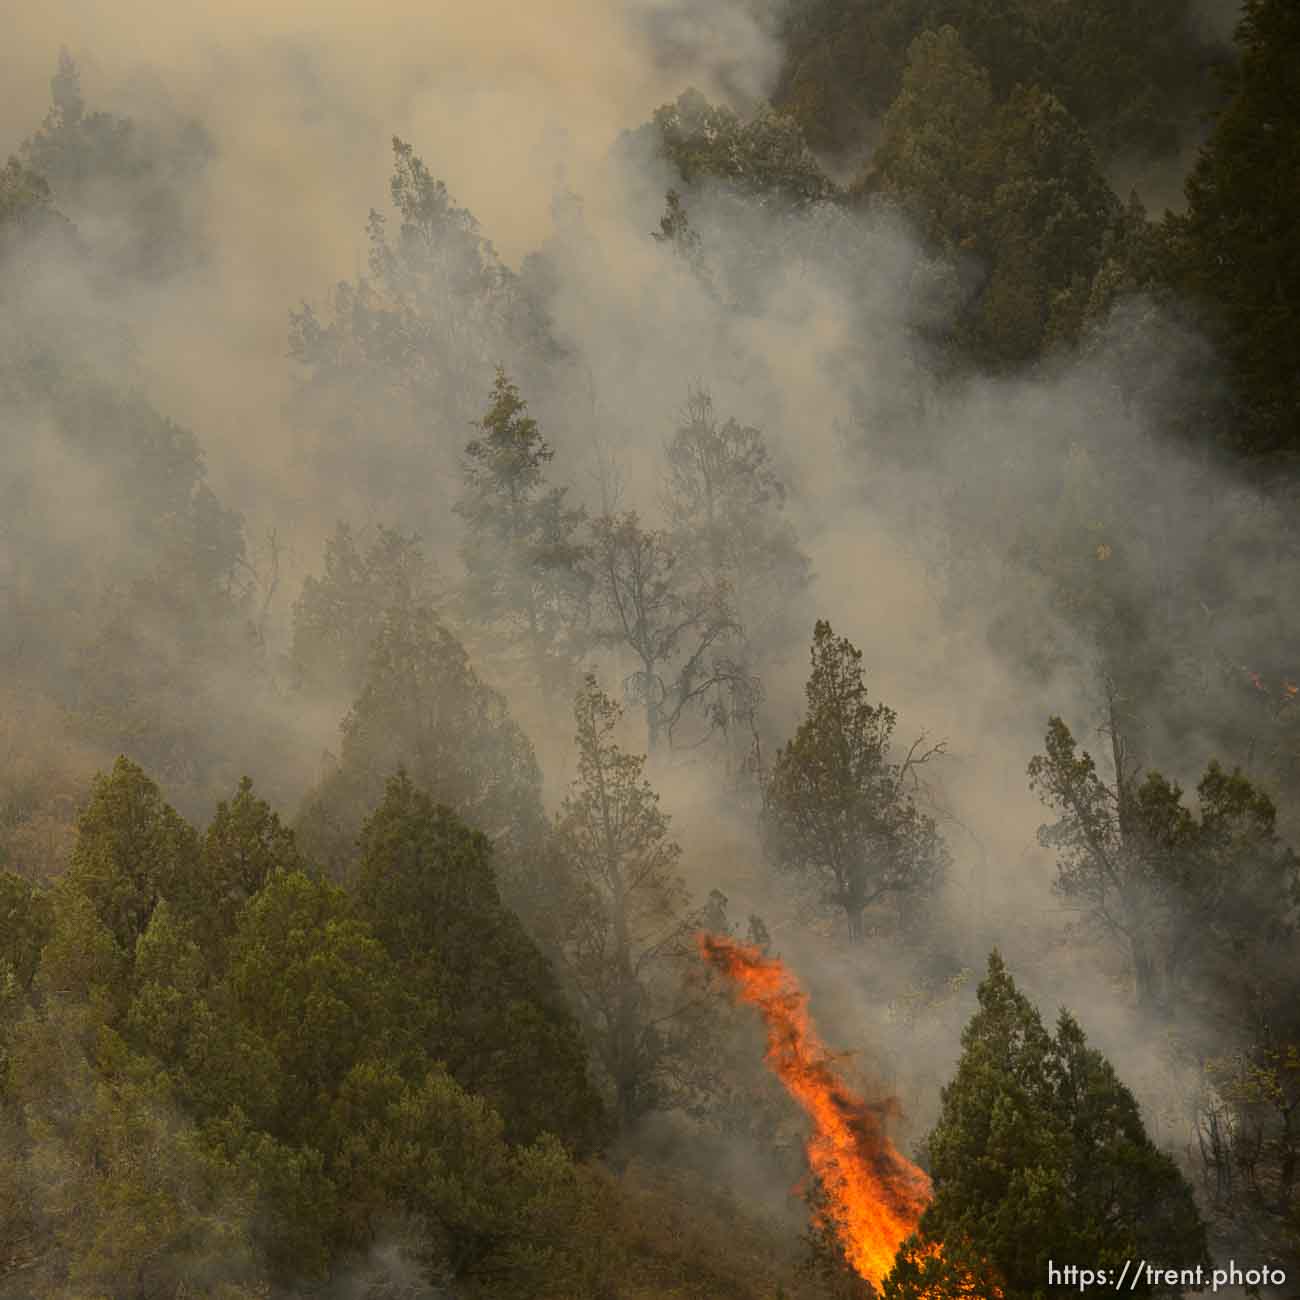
(1039, 1155)
(1236, 249)
(837, 808)
(522, 550)
(627, 924)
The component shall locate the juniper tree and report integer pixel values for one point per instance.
(1040, 1154)
(837, 808)
(627, 922)
(423, 707)
(522, 549)
(1167, 886)
(338, 615)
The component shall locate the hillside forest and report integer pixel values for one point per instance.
(489, 496)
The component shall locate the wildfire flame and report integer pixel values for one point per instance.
(874, 1195)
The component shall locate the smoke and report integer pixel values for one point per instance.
(919, 503)
(875, 1196)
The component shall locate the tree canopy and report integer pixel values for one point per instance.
(1040, 1154)
(837, 808)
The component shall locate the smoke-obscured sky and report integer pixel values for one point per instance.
(512, 105)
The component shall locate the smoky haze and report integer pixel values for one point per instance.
(913, 496)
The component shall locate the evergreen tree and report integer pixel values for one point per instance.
(423, 707)
(1173, 890)
(1133, 79)
(26, 207)
(125, 184)
(1015, 183)
(626, 925)
(25, 921)
(338, 615)
(244, 846)
(522, 553)
(764, 157)
(426, 884)
(309, 977)
(837, 808)
(1039, 1155)
(132, 850)
(1236, 250)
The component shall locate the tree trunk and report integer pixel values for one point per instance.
(1146, 972)
(653, 723)
(854, 915)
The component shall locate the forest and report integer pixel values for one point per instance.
(645, 649)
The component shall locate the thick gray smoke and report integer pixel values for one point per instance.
(913, 501)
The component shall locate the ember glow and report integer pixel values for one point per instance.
(874, 1195)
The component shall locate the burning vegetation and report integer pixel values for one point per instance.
(874, 1195)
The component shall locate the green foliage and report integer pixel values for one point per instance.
(524, 560)
(494, 1014)
(423, 707)
(125, 182)
(1171, 889)
(26, 207)
(338, 616)
(625, 927)
(26, 921)
(764, 157)
(244, 846)
(312, 980)
(1015, 183)
(1133, 79)
(1235, 251)
(930, 151)
(118, 1192)
(221, 1074)
(837, 808)
(167, 976)
(1040, 1154)
(132, 850)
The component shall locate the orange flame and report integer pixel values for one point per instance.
(875, 1196)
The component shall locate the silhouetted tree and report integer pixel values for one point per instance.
(837, 807)
(523, 553)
